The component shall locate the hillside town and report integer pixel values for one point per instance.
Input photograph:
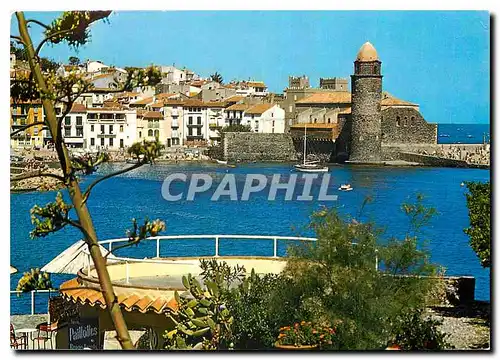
(183, 110)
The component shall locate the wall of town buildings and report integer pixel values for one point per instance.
(405, 125)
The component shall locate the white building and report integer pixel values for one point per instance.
(110, 128)
(74, 126)
(265, 118)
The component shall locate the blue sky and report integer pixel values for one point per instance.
(439, 60)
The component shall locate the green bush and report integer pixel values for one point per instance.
(415, 332)
(340, 284)
(479, 205)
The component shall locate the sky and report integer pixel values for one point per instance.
(439, 60)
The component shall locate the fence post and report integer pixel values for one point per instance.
(157, 248)
(32, 302)
(216, 246)
(275, 247)
(88, 265)
(126, 272)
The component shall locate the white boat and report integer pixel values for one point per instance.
(309, 166)
(222, 162)
(345, 187)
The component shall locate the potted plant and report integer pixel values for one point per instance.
(304, 336)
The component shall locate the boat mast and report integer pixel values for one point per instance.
(305, 142)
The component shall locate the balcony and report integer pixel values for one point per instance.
(195, 125)
(175, 124)
(175, 134)
(106, 136)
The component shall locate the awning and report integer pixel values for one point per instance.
(71, 260)
(13, 269)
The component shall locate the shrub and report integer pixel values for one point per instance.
(338, 277)
(414, 332)
(479, 204)
(34, 280)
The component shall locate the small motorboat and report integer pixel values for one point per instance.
(231, 165)
(345, 187)
(462, 184)
(470, 136)
(131, 161)
(221, 162)
(444, 135)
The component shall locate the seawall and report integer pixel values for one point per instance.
(247, 146)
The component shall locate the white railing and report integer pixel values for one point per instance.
(216, 238)
(33, 297)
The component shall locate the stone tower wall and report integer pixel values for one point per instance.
(366, 135)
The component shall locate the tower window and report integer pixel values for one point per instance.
(375, 69)
(406, 121)
(329, 121)
(412, 121)
(398, 121)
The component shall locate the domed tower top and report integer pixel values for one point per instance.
(367, 53)
(367, 62)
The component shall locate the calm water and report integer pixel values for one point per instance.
(138, 194)
(463, 133)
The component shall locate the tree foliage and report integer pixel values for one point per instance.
(479, 205)
(217, 78)
(340, 283)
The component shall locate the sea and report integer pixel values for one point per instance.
(137, 194)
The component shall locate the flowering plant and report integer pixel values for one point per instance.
(305, 333)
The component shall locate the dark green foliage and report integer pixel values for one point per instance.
(217, 78)
(146, 151)
(479, 205)
(73, 60)
(415, 332)
(260, 306)
(340, 284)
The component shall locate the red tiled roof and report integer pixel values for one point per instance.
(238, 107)
(71, 291)
(145, 101)
(153, 115)
(78, 108)
(259, 108)
(333, 97)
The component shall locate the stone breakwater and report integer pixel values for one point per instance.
(32, 168)
(445, 155)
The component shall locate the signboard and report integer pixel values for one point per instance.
(84, 334)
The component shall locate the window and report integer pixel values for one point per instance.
(157, 134)
(412, 121)
(329, 121)
(35, 131)
(140, 134)
(102, 141)
(150, 132)
(79, 132)
(294, 97)
(190, 120)
(121, 143)
(290, 108)
(110, 141)
(102, 129)
(67, 132)
(406, 121)
(67, 121)
(199, 120)
(190, 131)
(398, 121)
(121, 128)
(110, 129)
(92, 141)
(92, 128)
(79, 121)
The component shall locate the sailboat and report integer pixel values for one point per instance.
(309, 166)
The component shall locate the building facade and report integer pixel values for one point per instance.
(22, 114)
